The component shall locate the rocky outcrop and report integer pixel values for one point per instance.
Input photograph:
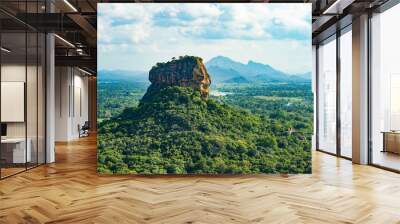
(186, 71)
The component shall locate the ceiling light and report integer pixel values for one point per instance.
(5, 50)
(64, 40)
(84, 71)
(79, 51)
(337, 7)
(70, 5)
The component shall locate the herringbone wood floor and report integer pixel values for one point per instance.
(70, 191)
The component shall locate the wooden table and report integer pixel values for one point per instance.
(13, 150)
(391, 141)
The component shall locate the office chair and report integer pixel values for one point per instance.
(84, 130)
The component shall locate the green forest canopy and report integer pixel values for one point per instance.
(172, 130)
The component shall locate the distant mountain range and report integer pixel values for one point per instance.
(306, 75)
(222, 70)
(124, 75)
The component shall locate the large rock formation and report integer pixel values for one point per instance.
(187, 71)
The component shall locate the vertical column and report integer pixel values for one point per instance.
(50, 98)
(92, 103)
(314, 91)
(338, 109)
(63, 93)
(360, 89)
(50, 92)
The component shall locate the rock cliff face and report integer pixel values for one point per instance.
(187, 71)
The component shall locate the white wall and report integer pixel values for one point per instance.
(9, 73)
(62, 82)
(33, 127)
(17, 73)
(71, 102)
(80, 112)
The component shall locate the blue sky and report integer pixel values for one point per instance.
(135, 36)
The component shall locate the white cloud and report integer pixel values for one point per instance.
(103, 26)
(146, 33)
(251, 21)
(294, 16)
(125, 11)
(202, 10)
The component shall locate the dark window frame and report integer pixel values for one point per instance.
(333, 37)
(30, 30)
(381, 9)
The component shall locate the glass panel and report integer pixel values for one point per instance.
(31, 97)
(327, 97)
(2, 161)
(23, 90)
(13, 86)
(385, 86)
(346, 94)
(32, 88)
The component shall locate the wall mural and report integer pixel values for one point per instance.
(204, 88)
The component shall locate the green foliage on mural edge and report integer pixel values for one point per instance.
(174, 131)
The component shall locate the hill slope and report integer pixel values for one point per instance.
(173, 130)
(177, 129)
